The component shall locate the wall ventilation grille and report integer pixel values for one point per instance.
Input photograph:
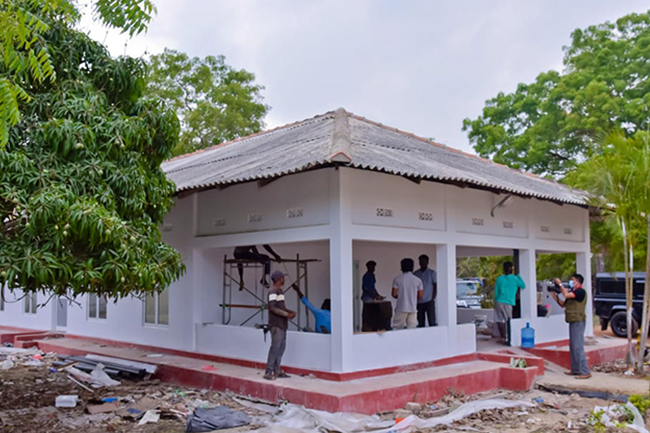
(425, 216)
(545, 229)
(219, 222)
(295, 213)
(478, 222)
(254, 217)
(568, 231)
(383, 212)
(508, 225)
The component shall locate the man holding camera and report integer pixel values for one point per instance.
(574, 303)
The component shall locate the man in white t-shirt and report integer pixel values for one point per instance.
(407, 289)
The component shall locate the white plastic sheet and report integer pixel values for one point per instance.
(97, 378)
(610, 413)
(294, 418)
(100, 377)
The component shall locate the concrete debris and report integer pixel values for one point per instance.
(413, 407)
(66, 401)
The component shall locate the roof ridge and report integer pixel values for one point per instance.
(247, 137)
(340, 142)
(454, 150)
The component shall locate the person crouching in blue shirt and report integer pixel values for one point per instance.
(323, 315)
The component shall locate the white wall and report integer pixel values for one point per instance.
(14, 312)
(304, 349)
(307, 192)
(469, 209)
(411, 346)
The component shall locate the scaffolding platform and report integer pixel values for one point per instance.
(231, 269)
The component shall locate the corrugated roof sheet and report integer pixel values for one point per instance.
(346, 139)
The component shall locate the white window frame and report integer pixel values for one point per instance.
(30, 303)
(156, 300)
(97, 299)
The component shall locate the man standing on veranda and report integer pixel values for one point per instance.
(279, 316)
(427, 305)
(574, 304)
(505, 293)
(407, 289)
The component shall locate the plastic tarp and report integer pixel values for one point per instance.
(609, 414)
(294, 418)
(215, 418)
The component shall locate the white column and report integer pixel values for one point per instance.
(529, 294)
(446, 268)
(583, 266)
(341, 287)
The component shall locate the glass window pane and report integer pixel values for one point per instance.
(34, 303)
(102, 307)
(150, 309)
(163, 307)
(27, 307)
(92, 305)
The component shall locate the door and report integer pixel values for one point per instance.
(61, 313)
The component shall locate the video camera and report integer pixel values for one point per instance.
(552, 286)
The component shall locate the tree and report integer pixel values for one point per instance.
(214, 101)
(618, 178)
(552, 124)
(81, 188)
(25, 51)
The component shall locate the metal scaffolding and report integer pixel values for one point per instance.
(230, 273)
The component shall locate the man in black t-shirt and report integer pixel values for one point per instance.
(574, 303)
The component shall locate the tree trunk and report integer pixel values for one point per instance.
(629, 358)
(645, 321)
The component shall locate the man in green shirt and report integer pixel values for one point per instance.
(505, 292)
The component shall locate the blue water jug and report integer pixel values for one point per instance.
(527, 337)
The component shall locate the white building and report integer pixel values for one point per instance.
(342, 190)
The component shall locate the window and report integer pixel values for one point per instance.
(156, 308)
(612, 287)
(96, 306)
(30, 303)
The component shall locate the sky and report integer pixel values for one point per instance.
(420, 66)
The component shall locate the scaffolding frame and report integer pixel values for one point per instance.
(231, 269)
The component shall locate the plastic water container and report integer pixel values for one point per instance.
(527, 337)
(66, 401)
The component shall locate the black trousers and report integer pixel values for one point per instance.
(427, 310)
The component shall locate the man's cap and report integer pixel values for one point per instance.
(275, 276)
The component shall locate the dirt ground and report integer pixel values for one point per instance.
(27, 403)
(28, 393)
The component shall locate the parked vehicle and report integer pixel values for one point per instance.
(468, 293)
(609, 301)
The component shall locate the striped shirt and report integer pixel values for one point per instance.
(277, 309)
